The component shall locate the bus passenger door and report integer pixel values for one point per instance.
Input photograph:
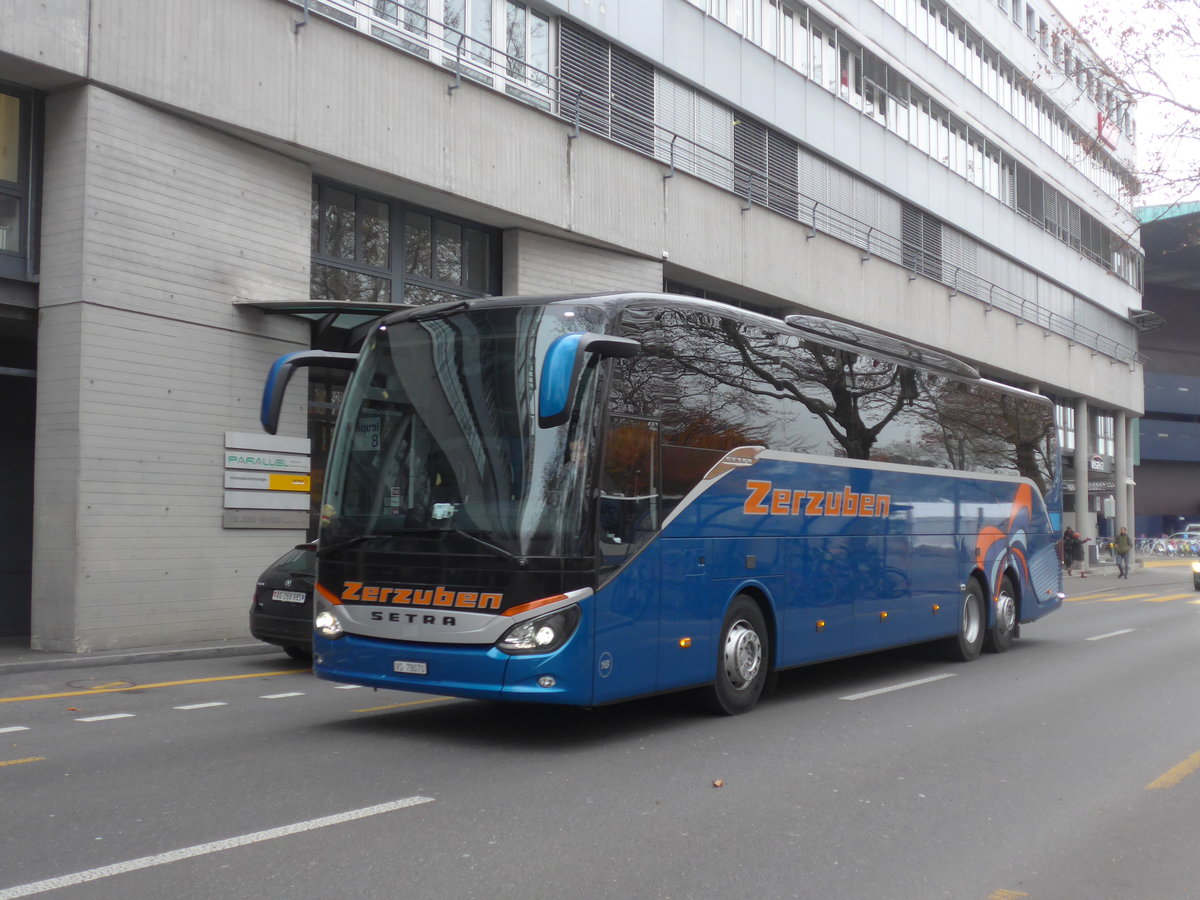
(628, 605)
(688, 609)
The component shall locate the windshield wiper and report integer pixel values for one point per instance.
(350, 542)
(521, 561)
(438, 311)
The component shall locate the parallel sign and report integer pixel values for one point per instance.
(266, 473)
(274, 462)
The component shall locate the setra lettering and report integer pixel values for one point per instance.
(411, 618)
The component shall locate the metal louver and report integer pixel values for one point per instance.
(921, 242)
(783, 174)
(750, 160)
(632, 101)
(608, 91)
(583, 62)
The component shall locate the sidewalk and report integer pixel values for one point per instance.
(15, 655)
(1146, 571)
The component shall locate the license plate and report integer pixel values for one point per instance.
(404, 667)
(289, 596)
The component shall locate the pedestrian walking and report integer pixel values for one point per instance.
(1068, 550)
(1073, 543)
(1123, 546)
(1077, 555)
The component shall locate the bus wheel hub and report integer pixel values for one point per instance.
(743, 654)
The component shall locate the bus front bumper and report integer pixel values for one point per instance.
(457, 670)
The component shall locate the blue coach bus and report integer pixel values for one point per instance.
(581, 500)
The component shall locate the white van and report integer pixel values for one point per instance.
(1192, 529)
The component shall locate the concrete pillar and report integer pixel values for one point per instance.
(1123, 472)
(1084, 522)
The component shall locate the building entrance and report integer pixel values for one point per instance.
(18, 387)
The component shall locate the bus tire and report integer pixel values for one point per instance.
(1004, 629)
(972, 621)
(742, 659)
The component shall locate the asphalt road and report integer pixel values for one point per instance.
(1062, 769)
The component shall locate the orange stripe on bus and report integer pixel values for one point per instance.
(329, 595)
(536, 604)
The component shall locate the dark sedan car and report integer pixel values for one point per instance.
(282, 610)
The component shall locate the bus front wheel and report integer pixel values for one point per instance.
(1000, 635)
(967, 644)
(742, 659)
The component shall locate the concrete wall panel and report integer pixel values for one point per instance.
(52, 33)
(535, 264)
(145, 364)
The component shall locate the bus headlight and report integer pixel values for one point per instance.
(327, 625)
(543, 634)
(1196, 566)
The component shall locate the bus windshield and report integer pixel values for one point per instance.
(439, 433)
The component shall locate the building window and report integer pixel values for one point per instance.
(469, 23)
(1064, 418)
(1106, 430)
(16, 208)
(527, 44)
(373, 250)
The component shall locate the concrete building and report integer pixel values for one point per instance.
(1168, 464)
(181, 181)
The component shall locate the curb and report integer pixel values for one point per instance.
(35, 663)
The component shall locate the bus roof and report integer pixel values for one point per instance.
(824, 330)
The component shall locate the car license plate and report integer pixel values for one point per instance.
(289, 596)
(405, 667)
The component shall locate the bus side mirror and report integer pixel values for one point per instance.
(562, 365)
(281, 373)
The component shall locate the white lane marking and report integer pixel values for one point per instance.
(105, 718)
(898, 687)
(160, 859)
(281, 696)
(12, 728)
(347, 687)
(201, 705)
(1101, 637)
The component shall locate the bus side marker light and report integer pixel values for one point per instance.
(685, 643)
(820, 624)
(882, 616)
(937, 608)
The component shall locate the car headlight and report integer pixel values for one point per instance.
(543, 634)
(327, 625)
(1196, 566)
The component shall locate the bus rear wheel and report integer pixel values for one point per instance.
(967, 644)
(742, 659)
(1004, 629)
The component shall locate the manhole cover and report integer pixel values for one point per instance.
(99, 684)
